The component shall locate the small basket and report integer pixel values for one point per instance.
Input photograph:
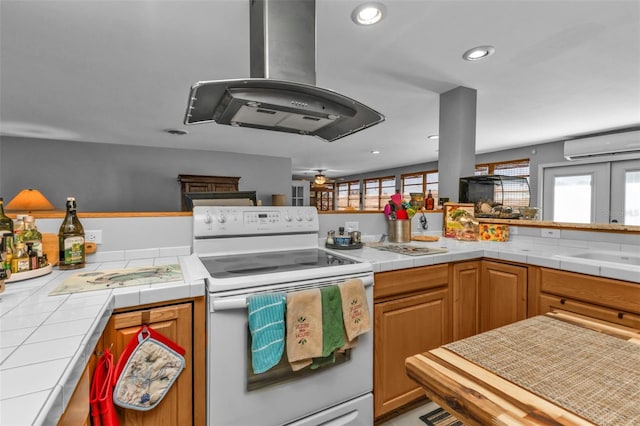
(399, 231)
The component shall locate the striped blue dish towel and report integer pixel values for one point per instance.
(266, 324)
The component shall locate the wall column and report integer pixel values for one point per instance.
(457, 141)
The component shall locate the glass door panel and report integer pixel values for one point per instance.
(577, 193)
(572, 198)
(625, 192)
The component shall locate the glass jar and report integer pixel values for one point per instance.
(30, 234)
(331, 237)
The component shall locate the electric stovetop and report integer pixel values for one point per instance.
(248, 264)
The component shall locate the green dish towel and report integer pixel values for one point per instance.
(332, 325)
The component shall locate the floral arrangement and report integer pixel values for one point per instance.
(397, 209)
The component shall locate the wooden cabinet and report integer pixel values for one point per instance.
(486, 295)
(411, 315)
(601, 298)
(175, 323)
(199, 183)
(181, 321)
(465, 294)
(503, 294)
(78, 411)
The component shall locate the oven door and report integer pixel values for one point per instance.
(238, 397)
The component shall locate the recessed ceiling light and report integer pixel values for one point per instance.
(477, 53)
(433, 137)
(177, 132)
(368, 13)
(375, 151)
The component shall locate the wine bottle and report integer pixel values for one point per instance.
(6, 224)
(71, 239)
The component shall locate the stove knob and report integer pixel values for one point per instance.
(207, 218)
(287, 218)
(222, 219)
(309, 218)
(299, 218)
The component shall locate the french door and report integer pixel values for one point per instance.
(605, 192)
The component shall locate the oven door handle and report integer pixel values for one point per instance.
(240, 302)
(228, 304)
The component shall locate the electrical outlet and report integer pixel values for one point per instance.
(550, 233)
(93, 236)
(354, 226)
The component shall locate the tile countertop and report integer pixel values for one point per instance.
(45, 341)
(555, 254)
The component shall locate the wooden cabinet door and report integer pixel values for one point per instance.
(405, 327)
(224, 187)
(78, 411)
(503, 294)
(175, 323)
(198, 187)
(466, 295)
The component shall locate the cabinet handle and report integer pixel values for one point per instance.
(562, 301)
(620, 315)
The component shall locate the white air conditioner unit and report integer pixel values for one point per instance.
(602, 146)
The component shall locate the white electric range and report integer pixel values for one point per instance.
(248, 250)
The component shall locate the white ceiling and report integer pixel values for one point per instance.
(120, 71)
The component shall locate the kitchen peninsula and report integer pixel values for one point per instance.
(27, 312)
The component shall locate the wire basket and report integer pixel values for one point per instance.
(496, 196)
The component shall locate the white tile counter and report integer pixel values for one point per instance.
(45, 341)
(554, 253)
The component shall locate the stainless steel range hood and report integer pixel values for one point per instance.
(281, 94)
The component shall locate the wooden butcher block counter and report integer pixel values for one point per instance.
(553, 369)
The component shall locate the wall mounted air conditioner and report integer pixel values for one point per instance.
(602, 146)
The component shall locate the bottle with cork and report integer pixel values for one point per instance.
(71, 239)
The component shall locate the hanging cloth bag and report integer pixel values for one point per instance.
(103, 412)
(146, 370)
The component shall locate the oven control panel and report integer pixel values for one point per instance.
(219, 221)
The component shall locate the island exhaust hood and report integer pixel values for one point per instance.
(281, 94)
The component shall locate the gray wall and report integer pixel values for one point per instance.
(108, 178)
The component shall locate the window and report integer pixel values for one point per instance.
(349, 195)
(378, 191)
(422, 183)
(504, 168)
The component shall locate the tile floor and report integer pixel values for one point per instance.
(411, 417)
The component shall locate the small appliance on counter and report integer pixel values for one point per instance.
(495, 196)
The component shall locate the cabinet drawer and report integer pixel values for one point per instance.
(550, 302)
(601, 291)
(411, 280)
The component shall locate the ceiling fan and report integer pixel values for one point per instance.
(320, 180)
